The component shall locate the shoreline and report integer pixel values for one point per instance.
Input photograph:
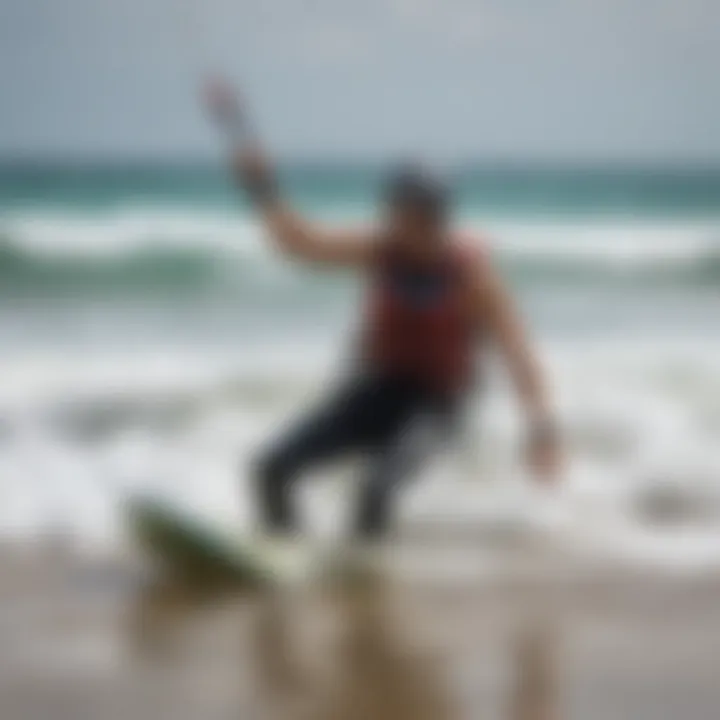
(95, 638)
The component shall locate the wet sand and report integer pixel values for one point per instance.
(97, 640)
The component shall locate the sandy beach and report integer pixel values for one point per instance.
(99, 640)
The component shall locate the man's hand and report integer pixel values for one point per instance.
(223, 105)
(250, 165)
(544, 453)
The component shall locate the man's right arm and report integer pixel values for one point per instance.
(292, 234)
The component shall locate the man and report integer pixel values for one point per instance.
(432, 298)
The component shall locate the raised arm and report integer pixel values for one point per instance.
(292, 234)
(497, 313)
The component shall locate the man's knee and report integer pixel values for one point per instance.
(272, 468)
(375, 510)
(272, 476)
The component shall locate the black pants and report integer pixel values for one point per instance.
(395, 423)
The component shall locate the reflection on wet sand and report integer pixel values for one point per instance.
(329, 654)
(86, 642)
(535, 695)
(366, 669)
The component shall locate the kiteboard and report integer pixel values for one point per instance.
(187, 547)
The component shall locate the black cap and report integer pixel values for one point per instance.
(415, 185)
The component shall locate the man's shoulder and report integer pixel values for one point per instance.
(471, 247)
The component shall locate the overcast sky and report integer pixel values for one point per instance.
(547, 79)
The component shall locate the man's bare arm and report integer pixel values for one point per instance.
(497, 313)
(500, 317)
(293, 235)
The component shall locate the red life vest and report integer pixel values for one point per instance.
(420, 321)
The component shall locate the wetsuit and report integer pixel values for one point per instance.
(416, 364)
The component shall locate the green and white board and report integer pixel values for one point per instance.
(193, 549)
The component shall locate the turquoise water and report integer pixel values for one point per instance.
(151, 337)
(495, 190)
(587, 250)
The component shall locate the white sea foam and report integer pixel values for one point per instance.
(78, 429)
(643, 478)
(616, 244)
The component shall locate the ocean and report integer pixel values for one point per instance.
(151, 339)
